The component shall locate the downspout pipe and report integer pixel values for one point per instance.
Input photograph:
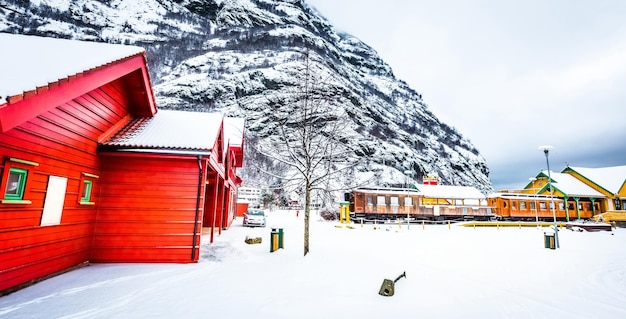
(197, 217)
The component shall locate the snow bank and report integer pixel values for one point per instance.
(451, 272)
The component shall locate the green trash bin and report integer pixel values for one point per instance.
(549, 240)
(276, 239)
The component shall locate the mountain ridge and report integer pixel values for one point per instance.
(237, 56)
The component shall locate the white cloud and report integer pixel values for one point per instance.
(589, 73)
(508, 75)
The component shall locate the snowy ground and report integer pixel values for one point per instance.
(454, 272)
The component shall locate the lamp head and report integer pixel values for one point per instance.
(546, 148)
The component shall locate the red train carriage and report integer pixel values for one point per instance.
(512, 206)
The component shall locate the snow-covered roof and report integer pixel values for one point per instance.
(233, 131)
(388, 190)
(449, 191)
(610, 178)
(571, 186)
(431, 191)
(28, 62)
(172, 131)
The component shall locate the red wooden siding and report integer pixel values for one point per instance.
(230, 206)
(147, 209)
(143, 207)
(63, 142)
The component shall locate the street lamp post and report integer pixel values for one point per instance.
(546, 149)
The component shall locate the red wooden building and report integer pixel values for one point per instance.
(92, 171)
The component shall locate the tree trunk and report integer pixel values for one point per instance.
(307, 210)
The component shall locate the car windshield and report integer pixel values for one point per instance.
(256, 212)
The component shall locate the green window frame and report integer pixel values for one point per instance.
(16, 184)
(86, 191)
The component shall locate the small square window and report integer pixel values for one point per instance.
(86, 191)
(16, 183)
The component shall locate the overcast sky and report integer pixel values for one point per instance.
(508, 75)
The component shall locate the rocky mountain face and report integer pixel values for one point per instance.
(239, 57)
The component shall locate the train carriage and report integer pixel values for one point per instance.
(427, 202)
(442, 202)
(517, 206)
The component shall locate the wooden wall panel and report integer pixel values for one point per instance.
(147, 209)
(47, 246)
(132, 254)
(44, 267)
(63, 142)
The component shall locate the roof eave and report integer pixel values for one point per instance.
(21, 108)
(156, 150)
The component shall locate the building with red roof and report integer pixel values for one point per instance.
(92, 171)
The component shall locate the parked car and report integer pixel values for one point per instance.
(254, 217)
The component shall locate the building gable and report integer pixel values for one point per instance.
(565, 185)
(40, 82)
(234, 137)
(607, 180)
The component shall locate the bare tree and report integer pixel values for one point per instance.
(308, 139)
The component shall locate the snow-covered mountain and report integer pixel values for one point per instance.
(236, 56)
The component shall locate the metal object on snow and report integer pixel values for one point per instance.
(387, 288)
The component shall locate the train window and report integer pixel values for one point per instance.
(570, 206)
(504, 204)
(552, 205)
(380, 200)
(408, 201)
(522, 205)
(562, 206)
(369, 200)
(513, 205)
(395, 201)
(532, 205)
(542, 205)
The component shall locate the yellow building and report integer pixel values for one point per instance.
(611, 182)
(603, 188)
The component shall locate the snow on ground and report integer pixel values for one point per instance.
(451, 272)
